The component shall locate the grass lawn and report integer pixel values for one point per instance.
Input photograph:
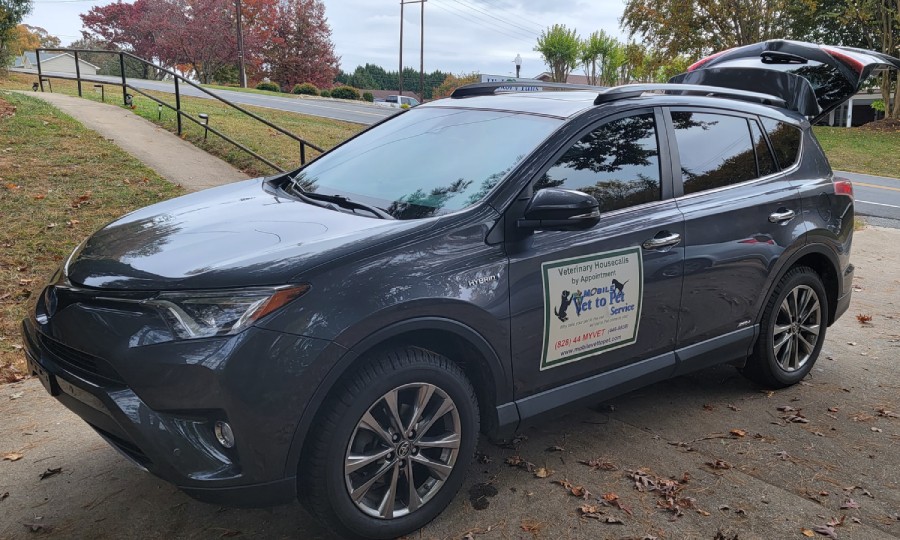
(59, 182)
(263, 140)
(860, 151)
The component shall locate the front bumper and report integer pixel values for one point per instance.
(158, 406)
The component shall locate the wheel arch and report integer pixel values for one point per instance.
(825, 263)
(457, 341)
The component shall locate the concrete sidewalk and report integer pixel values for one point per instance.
(176, 160)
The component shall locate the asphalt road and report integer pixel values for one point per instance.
(360, 113)
(703, 456)
(876, 196)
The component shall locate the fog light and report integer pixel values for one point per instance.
(224, 434)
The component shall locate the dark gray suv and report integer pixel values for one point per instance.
(343, 333)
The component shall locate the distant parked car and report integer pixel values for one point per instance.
(397, 101)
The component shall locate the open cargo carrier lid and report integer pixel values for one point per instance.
(812, 79)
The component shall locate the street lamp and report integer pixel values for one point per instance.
(518, 62)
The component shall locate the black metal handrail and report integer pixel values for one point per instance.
(177, 108)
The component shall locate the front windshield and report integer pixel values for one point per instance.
(428, 161)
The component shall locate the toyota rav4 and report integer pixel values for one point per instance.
(344, 332)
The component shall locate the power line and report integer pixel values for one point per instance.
(525, 19)
(481, 22)
(531, 32)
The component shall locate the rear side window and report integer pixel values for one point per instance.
(715, 150)
(764, 157)
(785, 140)
(617, 163)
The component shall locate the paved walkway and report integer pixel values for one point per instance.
(176, 160)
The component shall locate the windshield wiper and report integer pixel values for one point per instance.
(339, 200)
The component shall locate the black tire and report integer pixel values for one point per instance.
(776, 370)
(323, 481)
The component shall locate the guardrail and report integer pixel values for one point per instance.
(177, 80)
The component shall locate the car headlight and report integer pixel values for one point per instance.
(200, 314)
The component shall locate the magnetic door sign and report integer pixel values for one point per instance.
(591, 305)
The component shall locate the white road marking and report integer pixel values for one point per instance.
(878, 204)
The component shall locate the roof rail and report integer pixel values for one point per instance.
(490, 88)
(634, 90)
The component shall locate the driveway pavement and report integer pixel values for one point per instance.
(734, 458)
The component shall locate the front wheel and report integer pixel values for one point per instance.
(393, 446)
(793, 330)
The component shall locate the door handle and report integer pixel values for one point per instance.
(659, 242)
(781, 216)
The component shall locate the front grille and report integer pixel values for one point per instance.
(126, 447)
(86, 366)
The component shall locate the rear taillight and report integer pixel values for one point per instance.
(845, 58)
(842, 186)
(699, 63)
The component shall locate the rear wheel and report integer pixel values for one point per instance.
(793, 330)
(393, 446)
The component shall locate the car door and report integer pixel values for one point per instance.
(590, 303)
(741, 213)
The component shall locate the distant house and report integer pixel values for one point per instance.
(573, 79)
(54, 62)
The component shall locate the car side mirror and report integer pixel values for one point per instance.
(554, 209)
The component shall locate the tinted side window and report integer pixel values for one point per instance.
(618, 163)
(785, 140)
(715, 150)
(764, 157)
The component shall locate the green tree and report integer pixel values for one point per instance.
(596, 50)
(560, 48)
(11, 14)
(699, 27)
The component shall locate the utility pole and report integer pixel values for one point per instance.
(421, 48)
(240, 45)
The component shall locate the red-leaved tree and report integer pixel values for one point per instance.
(299, 48)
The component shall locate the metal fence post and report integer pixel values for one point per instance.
(78, 73)
(37, 54)
(124, 82)
(177, 105)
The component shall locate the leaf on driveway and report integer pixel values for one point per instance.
(13, 456)
(849, 503)
(738, 433)
(807, 533)
(4, 495)
(733, 408)
(599, 464)
(50, 472)
(719, 464)
(531, 525)
(613, 521)
(17, 395)
(886, 413)
(542, 472)
(556, 448)
(590, 510)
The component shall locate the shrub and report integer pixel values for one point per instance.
(325, 93)
(368, 97)
(345, 92)
(269, 86)
(307, 89)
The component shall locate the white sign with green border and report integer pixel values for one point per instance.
(592, 305)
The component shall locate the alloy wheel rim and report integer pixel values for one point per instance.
(402, 450)
(797, 328)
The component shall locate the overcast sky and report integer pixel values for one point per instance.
(461, 36)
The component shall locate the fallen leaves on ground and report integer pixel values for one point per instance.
(738, 433)
(531, 525)
(4, 495)
(886, 413)
(542, 472)
(734, 408)
(17, 395)
(668, 490)
(863, 318)
(848, 504)
(599, 464)
(12, 456)
(50, 472)
(575, 491)
(517, 461)
(719, 464)
(556, 448)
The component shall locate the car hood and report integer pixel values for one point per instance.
(239, 235)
